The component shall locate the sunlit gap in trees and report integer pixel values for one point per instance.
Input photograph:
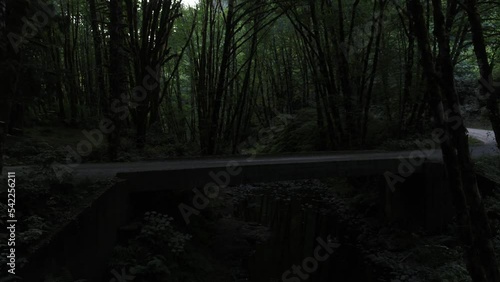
(190, 3)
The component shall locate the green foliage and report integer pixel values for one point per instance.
(159, 231)
(153, 253)
(156, 265)
(298, 135)
(489, 166)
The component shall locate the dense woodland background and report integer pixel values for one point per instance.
(347, 71)
(160, 77)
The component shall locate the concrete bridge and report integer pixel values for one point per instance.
(194, 172)
(160, 175)
(189, 172)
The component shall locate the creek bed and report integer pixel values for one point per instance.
(260, 232)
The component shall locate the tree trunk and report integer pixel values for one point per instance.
(479, 219)
(408, 80)
(485, 69)
(149, 46)
(472, 221)
(221, 83)
(69, 61)
(99, 75)
(118, 73)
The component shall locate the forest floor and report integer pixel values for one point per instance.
(45, 206)
(45, 144)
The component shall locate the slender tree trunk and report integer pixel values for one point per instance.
(408, 80)
(202, 90)
(118, 73)
(344, 73)
(221, 83)
(100, 90)
(378, 29)
(239, 113)
(69, 60)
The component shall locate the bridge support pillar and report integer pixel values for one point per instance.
(439, 209)
(422, 200)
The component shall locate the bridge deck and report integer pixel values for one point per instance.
(167, 174)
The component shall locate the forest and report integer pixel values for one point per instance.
(209, 76)
(103, 81)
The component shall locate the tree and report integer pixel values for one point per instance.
(220, 39)
(344, 61)
(484, 65)
(11, 52)
(100, 87)
(150, 33)
(118, 72)
(474, 229)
